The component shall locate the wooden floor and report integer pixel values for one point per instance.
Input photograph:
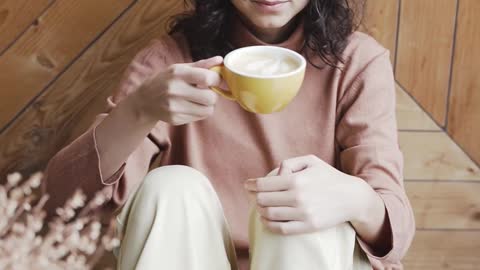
(60, 59)
(443, 184)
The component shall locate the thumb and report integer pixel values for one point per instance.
(297, 164)
(209, 62)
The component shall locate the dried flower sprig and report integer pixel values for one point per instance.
(73, 240)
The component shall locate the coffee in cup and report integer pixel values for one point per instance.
(264, 65)
(262, 79)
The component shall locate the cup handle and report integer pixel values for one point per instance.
(226, 94)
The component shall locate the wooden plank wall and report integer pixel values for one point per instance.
(49, 46)
(380, 21)
(436, 60)
(16, 16)
(424, 52)
(464, 104)
(431, 43)
(53, 99)
(60, 59)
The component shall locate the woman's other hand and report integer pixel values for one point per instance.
(307, 194)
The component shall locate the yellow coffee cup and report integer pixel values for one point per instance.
(262, 79)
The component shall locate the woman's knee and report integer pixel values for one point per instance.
(173, 180)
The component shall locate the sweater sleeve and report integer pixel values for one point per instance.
(77, 166)
(367, 136)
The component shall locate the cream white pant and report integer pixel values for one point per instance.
(175, 221)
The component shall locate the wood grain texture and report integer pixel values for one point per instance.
(380, 21)
(424, 52)
(434, 156)
(410, 115)
(16, 16)
(464, 113)
(444, 250)
(69, 105)
(445, 205)
(48, 47)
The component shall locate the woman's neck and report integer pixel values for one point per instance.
(271, 35)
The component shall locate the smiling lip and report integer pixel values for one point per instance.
(269, 6)
(269, 3)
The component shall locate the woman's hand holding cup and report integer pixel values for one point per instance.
(181, 94)
(185, 93)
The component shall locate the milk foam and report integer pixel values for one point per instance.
(264, 65)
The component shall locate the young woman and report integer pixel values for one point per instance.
(325, 174)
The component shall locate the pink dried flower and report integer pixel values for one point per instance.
(16, 194)
(110, 243)
(71, 241)
(13, 179)
(35, 180)
(78, 200)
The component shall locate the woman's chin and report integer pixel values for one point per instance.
(271, 23)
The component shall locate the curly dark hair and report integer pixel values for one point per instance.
(327, 26)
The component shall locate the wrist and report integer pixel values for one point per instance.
(365, 203)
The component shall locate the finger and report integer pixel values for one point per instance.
(277, 198)
(196, 76)
(182, 106)
(274, 172)
(208, 63)
(285, 228)
(201, 96)
(268, 184)
(297, 164)
(280, 213)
